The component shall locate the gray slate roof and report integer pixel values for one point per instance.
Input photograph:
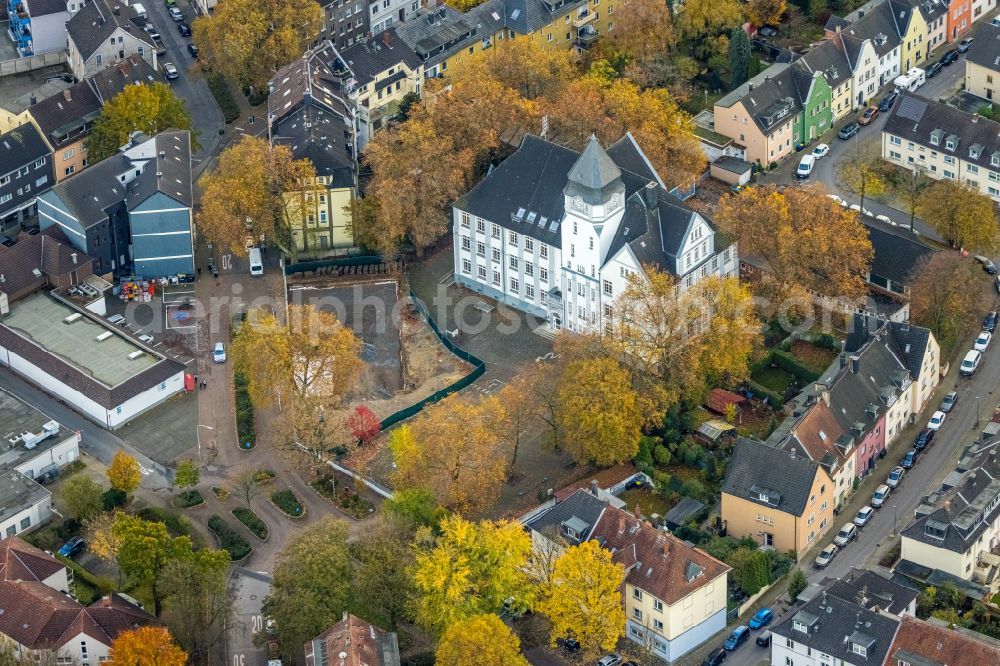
(897, 252)
(915, 118)
(94, 24)
(67, 114)
(835, 625)
(169, 172)
(22, 145)
(373, 56)
(112, 80)
(594, 175)
(985, 48)
(907, 341)
(38, 8)
(868, 589)
(772, 98)
(580, 508)
(89, 193)
(784, 478)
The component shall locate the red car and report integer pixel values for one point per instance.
(870, 114)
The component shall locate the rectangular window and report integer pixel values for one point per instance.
(512, 238)
(69, 153)
(637, 614)
(482, 272)
(607, 288)
(496, 231)
(496, 254)
(513, 263)
(481, 249)
(26, 523)
(529, 244)
(529, 292)
(529, 268)
(543, 251)
(514, 286)
(481, 225)
(637, 593)
(543, 274)
(465, 219)
(466, 243)
(658, 605)
(496, 278)
(896, 141)
(466, 266)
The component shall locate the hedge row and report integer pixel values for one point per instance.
(252, 521)
(220, 90)
(760, 391)
(246, 431)
(229, 539)
(790, 364)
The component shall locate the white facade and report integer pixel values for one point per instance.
(59, 455)
(865, 82)
(940, 163)
(979, 7)
(888, 67)
(786, 651)
(30, 516)
(118, 47)
(383, 14)
(48, 32)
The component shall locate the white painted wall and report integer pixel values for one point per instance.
(48, 33)
(61, 454)
(37, 513)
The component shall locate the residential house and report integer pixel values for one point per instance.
(817, 435)
(674, 594)
(982, 62)
(308, 112)
(957, 527)
(787, 511)
(830, 630)
(40, 617)
(606, 485)
(935, 14)
(65, 120)
(25, 172)
(556, 233)
(36, 26)
(353, 642)
(132, 211)
(568, 521)
(103, 33)
(871, 41)
(42, 261)
(876, 593)
(933, 643)
(897, 256)
(981, 7)
(829, 59)
(387, 13)
(783, 106)
(941, 141)
(959, 19)
(377, 74)
(915, 47)
(131, 71)
(346, 21)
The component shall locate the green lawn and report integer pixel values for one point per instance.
(814, 357)
(648, 501)
(774, 379)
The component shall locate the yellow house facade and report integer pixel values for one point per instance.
(915, 46)
(321, 217)
(780, 499)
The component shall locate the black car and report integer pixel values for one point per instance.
(848, 130)
(715, 658)
(932, 70)
(184, 29)
(7, 241)
(764, 640)
(193, 50)
(949, 57)
(887, 102)
(923, 439)
(570, 645)
(990, 321)
(910, 459)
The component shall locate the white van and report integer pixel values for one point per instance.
(970, 363)
(140, 11)
(256, 264)
(912, 80)
(806, 166)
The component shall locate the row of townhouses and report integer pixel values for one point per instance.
(839, 429)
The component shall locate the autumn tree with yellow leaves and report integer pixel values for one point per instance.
(645, 33)
(124, 473)
(522, 65)
(455, 448)
(256, 190)
(965, 217)
(583, 598)
(247, 41)
(146, 646)
(803, 241)
(765, 12)
(471, 569)
(481, 640)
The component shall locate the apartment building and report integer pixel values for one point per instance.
(25, 172)
(982, 63)
(941, 141)
(103, 33)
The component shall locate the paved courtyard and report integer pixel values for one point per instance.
(166, 432)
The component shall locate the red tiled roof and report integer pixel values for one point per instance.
(818, 432)
(359, 640)
(655, 561)
(19, 560)
(605, 479)
(718, 399)
(940, 645)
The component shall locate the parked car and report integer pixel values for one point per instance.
(7, 241)
(117, 320)
(888, 101)
(739, 636)
(996, 21)
(821, 151)
(937, 420)
(761, 618)
(910, 459)
(983, 341)
(151, 31)
(193, 50)
(895, 476)
(715, 657)
(184, 29)
(884, 219)
(837, 200)
(767, 31)
(826, 556)
(764, 640)
(146, 339)
(970, 363)
(933, 69)
(170, 71)
(880, 495)
(923, 439)
(949, 57)
(612, 659)
(949, 402)
(219, 353)
(859, 210)
(848, 130)
(964, 45)
(74, 546)
(806, 166)
(870, 114)
(845, 535)
(175, 14)
(990, 321)
(997, 282)
(988, 265)
(863, 516)
(570, 645)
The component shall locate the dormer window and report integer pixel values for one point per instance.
(936, 137)
(950, 145)
(800, 627)
(859, 650)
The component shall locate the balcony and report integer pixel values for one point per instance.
(586, 38)
(584, 19)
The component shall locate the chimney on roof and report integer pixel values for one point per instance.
(638, 512)
(975, 117)
(73, 257)
(32, 100)
(106, 601)
(855, 364)
(655, 519)
(68, 95)
(593, 487)
(621, 524)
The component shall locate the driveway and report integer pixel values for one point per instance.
(249, 589)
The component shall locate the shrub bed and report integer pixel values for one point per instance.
(176, 524)
(220, 492)
(190, 498)
(224, 97)
(252, 521)
(229, 539)
(288, 503)
(113, 498)
(262, 476)
(891, 556)
(246, 430)
(349, 501)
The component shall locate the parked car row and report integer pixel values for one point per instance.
(741, 635)
(885, 219)
(975, 355)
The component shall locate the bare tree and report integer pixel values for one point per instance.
(244, 485)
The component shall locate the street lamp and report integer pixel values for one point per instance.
(198, 436)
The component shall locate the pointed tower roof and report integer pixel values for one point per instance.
(594, 176)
